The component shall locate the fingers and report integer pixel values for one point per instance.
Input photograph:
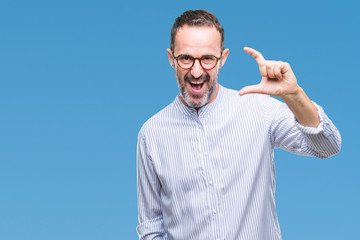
(251, 89)
(270, 69)
(257, 55)
(274, 69)
(259, 59)
(277, 71)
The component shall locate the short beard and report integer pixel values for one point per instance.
(208, 93)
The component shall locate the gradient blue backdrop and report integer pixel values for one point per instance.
(79, 78)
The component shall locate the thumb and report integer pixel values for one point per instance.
(251, 89)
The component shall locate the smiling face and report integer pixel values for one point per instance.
(197, 85)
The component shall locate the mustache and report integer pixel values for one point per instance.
(203, 77)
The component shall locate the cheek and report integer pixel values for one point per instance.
(180, 77)
(180, 74)
(213, 76)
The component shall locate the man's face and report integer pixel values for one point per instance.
(197, 85)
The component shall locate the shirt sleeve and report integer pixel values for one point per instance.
(150, 220)
(288, 134)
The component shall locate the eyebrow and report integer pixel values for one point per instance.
(205, 55)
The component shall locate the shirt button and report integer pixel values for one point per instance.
(210, 182)
(214, 211)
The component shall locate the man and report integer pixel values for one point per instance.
(205, 162)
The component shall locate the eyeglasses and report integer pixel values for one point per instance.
(207, 62)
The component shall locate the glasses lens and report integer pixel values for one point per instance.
(208, 62)
(185, 61)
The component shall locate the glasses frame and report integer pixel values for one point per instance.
(217, 60)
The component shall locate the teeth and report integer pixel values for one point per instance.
(194, 82)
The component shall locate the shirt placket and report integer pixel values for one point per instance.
(210, 177)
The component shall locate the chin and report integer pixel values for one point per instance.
(196, 102)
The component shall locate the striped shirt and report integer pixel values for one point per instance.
(210, 175)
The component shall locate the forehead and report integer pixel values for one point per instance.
(197, 41)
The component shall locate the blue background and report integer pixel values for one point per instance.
(79, 78)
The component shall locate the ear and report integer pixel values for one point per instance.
(170, 56)
(225, 54)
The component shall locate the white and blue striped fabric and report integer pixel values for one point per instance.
(210, 175)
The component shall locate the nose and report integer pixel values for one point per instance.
(196, 69)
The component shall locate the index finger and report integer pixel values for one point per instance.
(257, 55)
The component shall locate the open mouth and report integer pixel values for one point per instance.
(196, 85)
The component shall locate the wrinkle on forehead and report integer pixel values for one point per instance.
(197, 41)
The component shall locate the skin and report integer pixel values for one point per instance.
(278, 78)
(197, 42)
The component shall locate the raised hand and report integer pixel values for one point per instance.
(279, 80)
(277, 77)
